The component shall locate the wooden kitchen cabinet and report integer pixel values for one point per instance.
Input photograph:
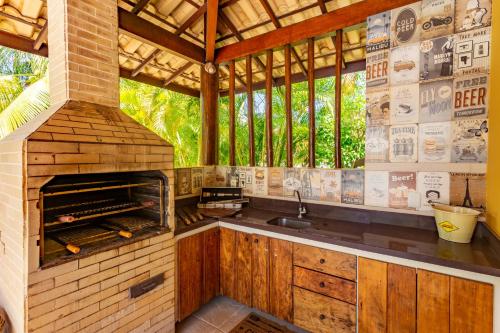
(190, 258)
(394, 298)
(210, 264)
(260, 272)
(243, 268)
(281, 279)
(198, 262)
(228, 262)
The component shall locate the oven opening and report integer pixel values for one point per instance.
(85, 214)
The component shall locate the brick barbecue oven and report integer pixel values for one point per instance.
(86, 242)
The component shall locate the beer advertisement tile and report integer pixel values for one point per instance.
(353, 187)
(472, 14)
(377, 107)
(209, 176)
(404, 64)
(434, 142)
(377, 65)
(437, 18)
(331, 181)
(472, 52)
(403, 143)
(405, 104)
(379, 32)
(377, 188)
(275, 181)
(405, 24)
(470, 141)
(468, 190)
(377, 144)
(311, 183)
(436, 58)
(436, 101)
(471, 97)
(401, 184)
(434, 187)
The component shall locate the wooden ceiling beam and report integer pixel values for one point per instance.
(313, 27)
(22, 44)
(178, 72)
(278, 25)
(127, 74)
(41, 38)
(140, 6)
(227, 22)
(153, 34)
(211, 32)
(320, 73)
(322, 6)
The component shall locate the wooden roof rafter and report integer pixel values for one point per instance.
(277, 25)
(139, 6)
(310, 28)
(41, 38)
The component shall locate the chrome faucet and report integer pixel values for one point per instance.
(302, 208)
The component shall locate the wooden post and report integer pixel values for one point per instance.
(312, 101)
(209, 98)
(269, 108)
(338, 97)
(232, 115)
(288, 106)
(251, 140)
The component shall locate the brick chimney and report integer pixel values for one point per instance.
(83, 58)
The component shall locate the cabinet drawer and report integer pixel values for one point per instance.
(327, 285)
(325, 261)
(318, 313)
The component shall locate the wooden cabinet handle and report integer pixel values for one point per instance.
(322, 317)
(246, 239)
(256, 240)
(322, 284)
(322, 261)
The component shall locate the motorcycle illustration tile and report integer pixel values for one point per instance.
(437, 18)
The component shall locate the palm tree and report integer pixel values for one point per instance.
(23, 88)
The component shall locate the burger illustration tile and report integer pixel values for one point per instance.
(434, 142)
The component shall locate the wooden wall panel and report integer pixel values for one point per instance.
(401, 299)
(433, 302)
(471, 306)
(260, 272)
(372, 296)
(281, 279)
(211, 264)
(243, 269)
(227, 262)
(190, 252)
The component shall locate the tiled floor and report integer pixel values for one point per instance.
(222, 315)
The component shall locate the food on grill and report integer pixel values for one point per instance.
(125, 234)
(66, 218)
(73, 248)
(148, 203)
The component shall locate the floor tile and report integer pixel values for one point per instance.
(195, 325)
(218, 311)
(233, 320)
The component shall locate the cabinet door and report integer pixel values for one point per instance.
(260, 275)
(372, 296)
(471, 306)
(244, 268)
(281, 279)
(401, 299)
(227, 262)
(433, 302)
(190, 256)
(211, 264)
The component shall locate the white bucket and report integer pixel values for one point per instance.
(455, 224)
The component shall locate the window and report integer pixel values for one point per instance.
(173, 116)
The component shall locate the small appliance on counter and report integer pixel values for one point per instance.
(455, 224)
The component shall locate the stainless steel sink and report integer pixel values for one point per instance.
(289, 223)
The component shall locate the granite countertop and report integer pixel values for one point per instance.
(482, 255)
